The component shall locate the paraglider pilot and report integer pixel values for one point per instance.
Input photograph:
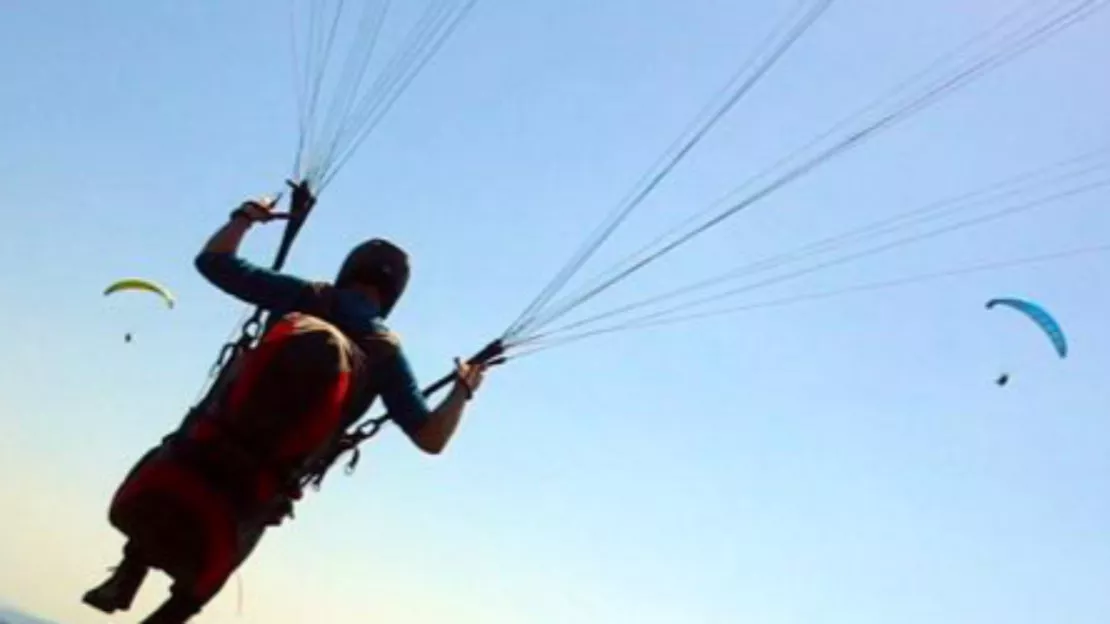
(196, 505)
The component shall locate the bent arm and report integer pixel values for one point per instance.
(219, 263)
(430, 429)
(440, 427)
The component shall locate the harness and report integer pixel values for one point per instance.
(354, 432)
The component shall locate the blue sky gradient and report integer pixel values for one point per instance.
(845, 461)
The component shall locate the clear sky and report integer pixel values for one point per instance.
(847, 461)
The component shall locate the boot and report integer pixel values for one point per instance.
(118, 592)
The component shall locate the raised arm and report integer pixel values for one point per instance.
(220, 264)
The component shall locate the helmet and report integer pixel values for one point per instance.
(378, 263)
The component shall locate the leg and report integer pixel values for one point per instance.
(188, 599)
(118, 592)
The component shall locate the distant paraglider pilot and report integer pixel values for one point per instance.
(136, 284)
(196, 505)
(1041, 317)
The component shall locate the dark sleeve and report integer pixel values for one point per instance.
(402, 397)
(262, 287)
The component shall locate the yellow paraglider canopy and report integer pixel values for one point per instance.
(136, 283)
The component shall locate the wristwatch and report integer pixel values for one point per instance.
(242, 213)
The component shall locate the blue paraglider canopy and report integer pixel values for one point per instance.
(1041, 317)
